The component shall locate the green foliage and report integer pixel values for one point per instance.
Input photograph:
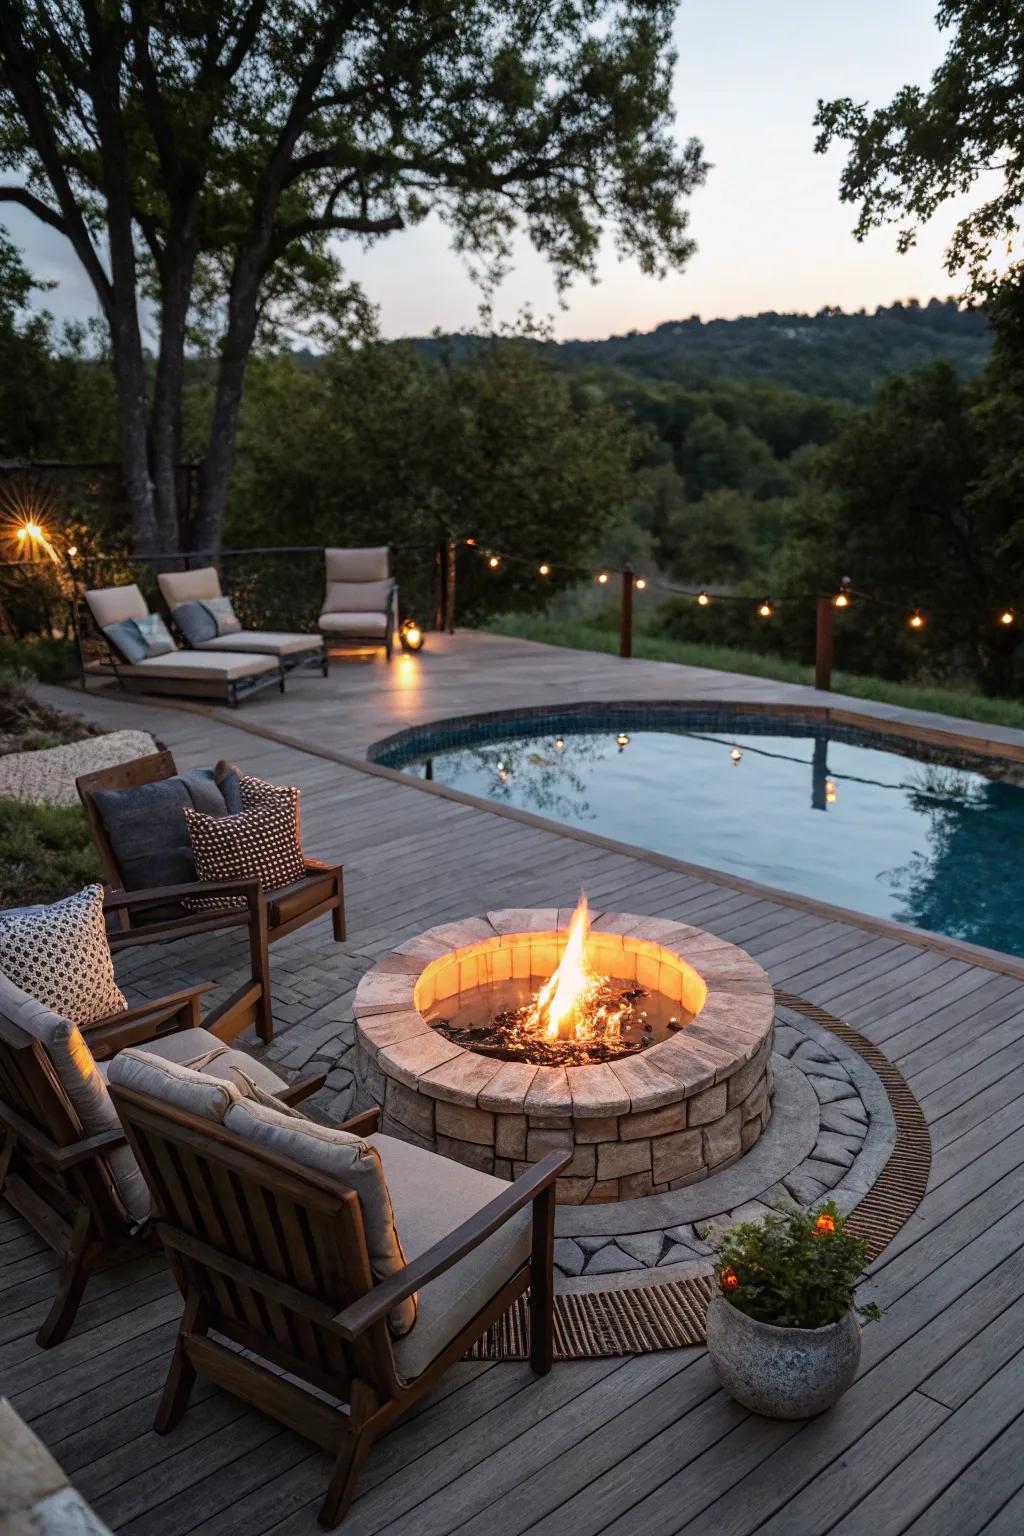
(49, 660)
(46, 852)
(927, 146)
(796, 1270)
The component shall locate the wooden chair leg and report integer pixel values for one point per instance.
(542, 1283)
(345, 1477)
(259, 948)
(338, 914)
(182, 1376)
(75, 1270)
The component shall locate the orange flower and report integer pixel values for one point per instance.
(825, 1223)
(729, 1280)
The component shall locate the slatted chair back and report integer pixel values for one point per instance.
(142, 770)
(265, 1251)
(36, 1118)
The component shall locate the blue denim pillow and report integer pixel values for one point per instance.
(196, 622)
(147, 829)
(126, 640)
(154, 634)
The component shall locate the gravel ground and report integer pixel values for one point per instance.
(48, 777)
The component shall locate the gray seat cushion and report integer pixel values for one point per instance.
(271, 642)
(432, 1196)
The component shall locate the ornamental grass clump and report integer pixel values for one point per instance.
(796, 1270)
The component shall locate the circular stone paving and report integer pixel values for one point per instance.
(831, 1134)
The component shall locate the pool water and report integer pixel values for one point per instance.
(828, 812)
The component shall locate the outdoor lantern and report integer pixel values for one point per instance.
(411, 636)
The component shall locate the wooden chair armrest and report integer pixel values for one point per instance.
(376, 1304)
(116, 900)
(364, 1124)
(61, 1157)
(135, 1026)
(296, 1093)
(320, 866)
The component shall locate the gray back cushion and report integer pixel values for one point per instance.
(127, 641)
(196, 622)
(147, 828)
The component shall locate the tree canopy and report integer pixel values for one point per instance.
(204, 159)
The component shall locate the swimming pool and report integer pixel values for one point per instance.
(833, 812)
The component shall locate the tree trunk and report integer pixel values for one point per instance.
(165, 432)
(215, 471)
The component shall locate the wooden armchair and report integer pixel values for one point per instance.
(156, 915)
(64, 1163)
(272, 1254)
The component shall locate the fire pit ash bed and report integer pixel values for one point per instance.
(642, 1044)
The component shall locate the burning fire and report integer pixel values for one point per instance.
(573, 1004)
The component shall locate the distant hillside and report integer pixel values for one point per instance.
(845, 356)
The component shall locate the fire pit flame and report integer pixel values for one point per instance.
(570, 1006)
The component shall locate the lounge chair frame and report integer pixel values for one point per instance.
(273, 1257)
(266, 916)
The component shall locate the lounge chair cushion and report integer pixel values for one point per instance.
(357, 564)
(146, 825)
(59, 955)
(357, 597)
(271, 642)
(189, 586)
(363, 626)
(203, 666)
(196, 622)
(351, 1160)
(109, 605)
(432, 1196)
(78, 1077)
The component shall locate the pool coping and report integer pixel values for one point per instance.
(920, 938)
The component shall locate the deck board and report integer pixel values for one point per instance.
(928, 1440)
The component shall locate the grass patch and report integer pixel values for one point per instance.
(587, 637)
(46, 852)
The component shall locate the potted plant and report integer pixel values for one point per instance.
(783, 1328)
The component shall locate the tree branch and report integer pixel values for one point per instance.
(36, 206)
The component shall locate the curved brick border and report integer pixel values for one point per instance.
(668, 1314)
(642, 1125)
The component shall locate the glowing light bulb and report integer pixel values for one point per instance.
(916, 620)
(493, 561)
(830, 792)
(501, 767)
(602, 580)
(544, 570)
(1007, 616)
(22, 533)
(72, 550)
(840, 600)
(559, 743)
(471, 542)
(622, 741)
(702, 599)
(736, 755)
(765, 609)
(640, 583)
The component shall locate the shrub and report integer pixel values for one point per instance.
(46, 852)
(51, 660)
(796, 1270)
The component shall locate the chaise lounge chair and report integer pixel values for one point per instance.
(361, 601)
(195, 600)
(65, 1165)
(129, 643)
(322, 1266)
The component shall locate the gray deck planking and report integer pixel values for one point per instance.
(927, 1439)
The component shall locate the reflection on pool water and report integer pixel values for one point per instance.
(830, 812)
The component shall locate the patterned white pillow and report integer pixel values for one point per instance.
(60, 956)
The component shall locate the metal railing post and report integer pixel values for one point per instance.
(825, 644)
(626, 615)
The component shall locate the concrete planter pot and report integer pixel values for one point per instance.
(783, 1373)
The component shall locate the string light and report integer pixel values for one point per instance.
(72, 550)
(702, 599)
(544, 570)
(559, 743)
(766, 610)
(736, 755)
(622, 741)
(1007, 616)
(471, 542)
(602, 580)
(840, 600)
(494, 561)
(640, 583)
(916, 620)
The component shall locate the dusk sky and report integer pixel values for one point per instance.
(771, 231)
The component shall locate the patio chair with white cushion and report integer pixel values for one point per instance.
(198, 612)
(138, 651)
(360, 604)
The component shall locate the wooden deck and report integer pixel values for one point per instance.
(930, 1439)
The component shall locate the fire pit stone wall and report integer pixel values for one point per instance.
(659, 1119)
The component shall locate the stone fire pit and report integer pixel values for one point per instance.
(639, 1125)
